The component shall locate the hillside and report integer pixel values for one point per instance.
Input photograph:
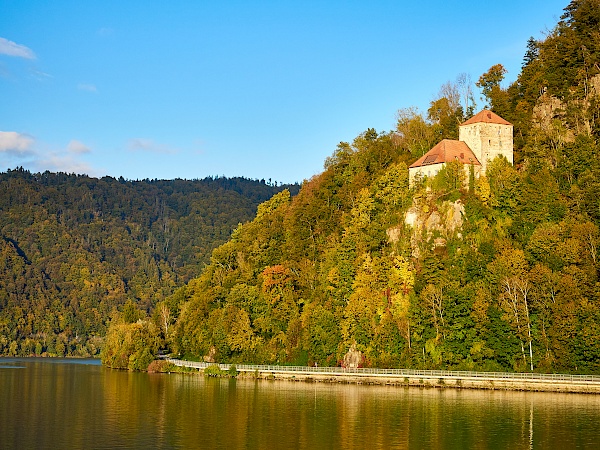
(494, 273)
(76, 250)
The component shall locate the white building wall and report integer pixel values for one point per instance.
(433, 169)
(424, 171)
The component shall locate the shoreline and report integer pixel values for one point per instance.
(561, 383)
(433, 383)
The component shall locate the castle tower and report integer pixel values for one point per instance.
(488, 135)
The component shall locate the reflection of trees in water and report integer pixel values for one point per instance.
(111, 408)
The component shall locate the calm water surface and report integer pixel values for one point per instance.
(79, 404)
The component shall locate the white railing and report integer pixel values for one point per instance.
(398, 373)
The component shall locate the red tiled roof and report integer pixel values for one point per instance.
(486, 117)
(445, 151)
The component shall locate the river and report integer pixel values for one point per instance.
(58, 403)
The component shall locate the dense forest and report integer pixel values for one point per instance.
(76, 251)
(498, 272)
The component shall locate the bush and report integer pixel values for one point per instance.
(130, 346)
(214, 371)
(161, 366)
(141, 359)
(232, 372)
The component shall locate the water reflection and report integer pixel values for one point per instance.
(77, 405)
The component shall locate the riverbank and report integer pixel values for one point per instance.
(419, 378)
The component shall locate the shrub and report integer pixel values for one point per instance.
(214, 371)
(141, 359)
(161, 366)
(130, 346)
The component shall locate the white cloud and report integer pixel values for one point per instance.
(15, 143)
(11, 48)
(39, 75)
(87, 87)
(148, 145)
(78, 147)
(56, 162)
(17, 149)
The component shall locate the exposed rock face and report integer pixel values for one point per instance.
(210, 358)
(394, 234)
(353, 359)
(411, 217)
(454, 216)
(439, 242)
(549, 111)
(433, 222)
(443, 222)
(595, 84)
(446, 219)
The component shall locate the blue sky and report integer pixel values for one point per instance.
(262, 89)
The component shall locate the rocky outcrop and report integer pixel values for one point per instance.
(432, 225)
(595, 85)
(447, 219)
(394, 234)
(210, 358)
(353, 359)
(549, 112)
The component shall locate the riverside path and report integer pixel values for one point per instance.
(552, 382)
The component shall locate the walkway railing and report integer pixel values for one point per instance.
(399, 373)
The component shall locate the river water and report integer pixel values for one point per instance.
(57, 403)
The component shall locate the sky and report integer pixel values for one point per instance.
(260, 89)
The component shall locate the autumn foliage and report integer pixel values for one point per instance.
(515, 287)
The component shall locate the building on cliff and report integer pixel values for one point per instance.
(483, 137)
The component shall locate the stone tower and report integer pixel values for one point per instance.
(488, 135)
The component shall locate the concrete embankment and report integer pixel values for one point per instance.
(421, 378)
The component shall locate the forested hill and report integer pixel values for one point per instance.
(494, 273)
(74, 250)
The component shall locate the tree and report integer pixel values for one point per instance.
(416, 135)
(489, 83)
(447, 112)
(509, 271)
(446, 115)
(450, 178)
(130, 346)
(515, 301)
(490, 80)
(165, 317)
(434, 300)
(504, 185)
(588, 234)
(131, 313)
(532, 53)
(465, 88)
(544, 289)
